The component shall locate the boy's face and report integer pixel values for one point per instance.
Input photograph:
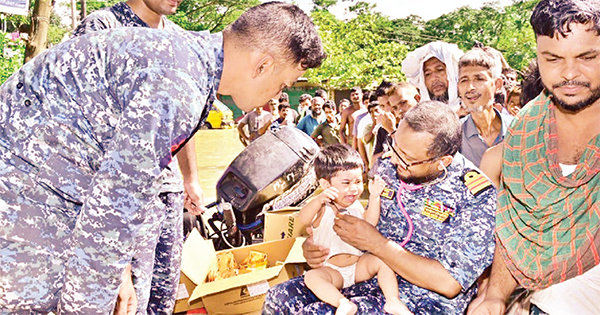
(376, 112)
(514, 105)
(349, 185)
(284, 112)
(330, 114)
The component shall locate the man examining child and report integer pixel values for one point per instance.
(435, 230)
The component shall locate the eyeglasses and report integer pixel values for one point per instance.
(405, 165)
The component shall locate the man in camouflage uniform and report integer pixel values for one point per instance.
(86, 129)
(155, 266)
(435, 230)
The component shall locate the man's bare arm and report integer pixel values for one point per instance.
(421, 271)
(194, 196)
(242, 133)
(343, 124)
(491, 163)
(497, 291)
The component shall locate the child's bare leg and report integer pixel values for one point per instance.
(326, 283)
(367, 267)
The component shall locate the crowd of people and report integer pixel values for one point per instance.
(472, 196)
(487, 95)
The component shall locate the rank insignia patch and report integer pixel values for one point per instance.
(437, 210)
(476, 183)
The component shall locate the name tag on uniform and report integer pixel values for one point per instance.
(437, 210)
(388, 193)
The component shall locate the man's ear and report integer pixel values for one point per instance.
(324, 183)
(418, 97)
(265, 65)
(444, 162)
(499, 84)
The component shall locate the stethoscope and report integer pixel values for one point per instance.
(411, 187)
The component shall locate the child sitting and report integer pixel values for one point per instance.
(339, 169)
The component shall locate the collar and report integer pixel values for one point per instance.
(126, 15)
(471, 129)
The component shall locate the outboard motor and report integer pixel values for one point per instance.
(275, 163)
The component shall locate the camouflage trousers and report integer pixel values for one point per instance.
(293, 297)
(157, 260)
(31, 274)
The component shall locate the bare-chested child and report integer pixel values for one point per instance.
(339, 169)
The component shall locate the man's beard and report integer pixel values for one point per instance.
(417, 180)
(579, 105)
(444, 98)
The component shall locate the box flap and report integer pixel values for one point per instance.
(198, 256)
(295, 255)
(286, 209)
(237, 281)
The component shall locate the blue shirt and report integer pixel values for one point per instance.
(118, 15)
(309, 123)
(86, 129)
(463, 243)
(472, 145)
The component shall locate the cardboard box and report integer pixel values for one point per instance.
(185, 289)
(282, 224)
(245, 293)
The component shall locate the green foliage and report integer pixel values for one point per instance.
(211, 15)
(357, 52)
(11, 56)
(409, 31)
(324, 4)
(56, 33)
(93, 5)
(365, 49)
(13, 21)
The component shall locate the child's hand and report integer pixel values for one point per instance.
(376, 185)
(328, 195)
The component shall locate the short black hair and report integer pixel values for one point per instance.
(550, 17)
(369, 96)
(516, 91)
(305, 97)
(336, 158)
(283, 105)
(356, 89)
(372, 105)
(532, 84)
(284, 97)
(321, 93)
(329, 104)
(383, 88)
(281, 29)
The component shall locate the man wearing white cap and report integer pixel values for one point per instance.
(434, 68)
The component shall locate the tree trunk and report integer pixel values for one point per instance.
(40, 23)
(83, 9)
(73, 14)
